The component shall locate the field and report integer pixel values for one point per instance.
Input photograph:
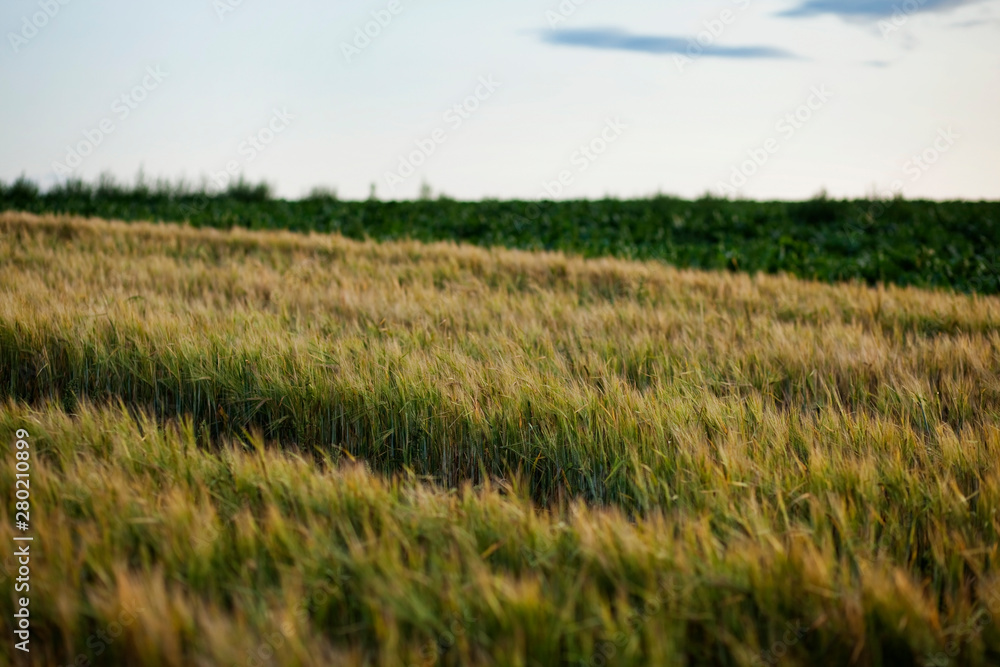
(267, 447)
(921, 243)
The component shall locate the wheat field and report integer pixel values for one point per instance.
(256, 448)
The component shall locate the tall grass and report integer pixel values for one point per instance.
(922, 243)
(754, 450)
(223, 557)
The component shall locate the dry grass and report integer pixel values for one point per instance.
(747, 450)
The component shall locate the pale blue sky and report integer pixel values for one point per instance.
(925, 80)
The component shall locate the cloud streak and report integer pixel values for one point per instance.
(611, 39)
(870, 9)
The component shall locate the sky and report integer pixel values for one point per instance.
(530, 99)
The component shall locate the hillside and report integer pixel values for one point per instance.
(303, 449)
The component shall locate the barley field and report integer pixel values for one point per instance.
(269, 448)
(920, 243)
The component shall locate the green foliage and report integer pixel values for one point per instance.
(950, 245)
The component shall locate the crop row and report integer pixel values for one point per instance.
(949, 245)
